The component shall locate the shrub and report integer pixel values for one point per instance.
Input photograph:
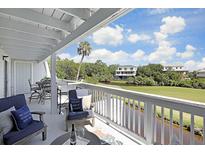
(195, 85)
(149, 82)
(91, 80)
(202, 85)
(130, 80)
(139, 80)
(185, 83)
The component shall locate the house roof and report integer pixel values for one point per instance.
(201, 70)
(127, 66)
(35, 34)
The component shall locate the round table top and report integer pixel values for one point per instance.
(87, 139)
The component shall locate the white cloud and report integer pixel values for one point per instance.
(133, 38)
(188, 53)
(139, 55)
(64, 55)
(195, 65)
(110, 57)
(108, 36)
(172, 25)
(160, 36)
(106, 56)
(158, 11)
(165, 50)
(163, 53)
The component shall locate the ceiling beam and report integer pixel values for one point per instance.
(25, 43)
(26, 37)
(82, 13)
(23, 55)
(38, 18)
(99, 19)
(26, 51)
(29, 28)
(22, 47)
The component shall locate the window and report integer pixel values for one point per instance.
(125, 68)
(131, 68)
(120, 68)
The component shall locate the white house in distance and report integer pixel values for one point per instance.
(175, 68)
(201, 73)
(125, 71)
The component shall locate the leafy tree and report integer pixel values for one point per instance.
(84, 49)
(113, 68)
(130, 80)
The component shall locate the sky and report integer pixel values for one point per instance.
(144, 36)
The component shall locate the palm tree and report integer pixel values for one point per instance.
(84, 49)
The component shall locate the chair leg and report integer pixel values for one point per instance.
(66, 123)
(44, 134)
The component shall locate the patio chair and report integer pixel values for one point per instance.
(80, 116)
(16, 136)
(35, 91)
(45, 85)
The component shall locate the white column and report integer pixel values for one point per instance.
(53, 85)
(148, 122)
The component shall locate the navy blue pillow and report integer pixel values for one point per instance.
(76, 105)
(22, 117)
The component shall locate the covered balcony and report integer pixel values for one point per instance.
(29, 36)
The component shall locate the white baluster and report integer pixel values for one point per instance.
(181, 127)
(129, 121)
(94, 101)
(120, 111)
(116, 109)
(148, 122)
(171, 126)
(125, 113)
(192, 130)
(103, 103)
(155, 125)
(133, 116)
(139, 117)
(109, 106)
(112, 108)
(162, 125)
(203, 130)
(99, 102)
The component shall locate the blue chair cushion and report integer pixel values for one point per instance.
(17, 101)
(22, 117)
(14, 135)
(77, 115)
(75, 105)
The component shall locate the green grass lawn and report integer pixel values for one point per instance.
(176, 92)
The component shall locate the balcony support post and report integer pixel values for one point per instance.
(148, 122)
(54, 97)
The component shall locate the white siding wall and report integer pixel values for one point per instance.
(1, 75)
(38, 71)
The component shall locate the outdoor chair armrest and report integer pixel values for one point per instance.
(40, 115)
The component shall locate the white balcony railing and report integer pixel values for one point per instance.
(144, 116)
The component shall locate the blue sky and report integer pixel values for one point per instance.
(166, 36)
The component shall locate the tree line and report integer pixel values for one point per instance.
(89, 72)
(148, 75)
(153, 75)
